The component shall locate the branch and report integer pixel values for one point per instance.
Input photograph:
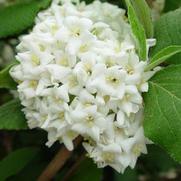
(58, 162)
(7, 141)
(74, 167)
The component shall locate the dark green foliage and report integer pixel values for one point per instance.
(162, 114)
(16, 161)
(172, 4)
(167, 33)
(5, 79)
(137, 30)
(11, 116)
(15, 19)
(144, 15)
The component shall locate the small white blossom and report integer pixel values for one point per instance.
(79, 75)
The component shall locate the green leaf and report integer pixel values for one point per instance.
(5, 79)
(87, 172)
(43, 4)
(162, 122)
(153, 161)
(167, 33)
(129, 174)
(11, 116)
(39, 163)
(138, 31)
(144, 15)
(163, 55)
(172, 5)
(16, 161)
(17, 18)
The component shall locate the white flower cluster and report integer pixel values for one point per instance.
(79, 74)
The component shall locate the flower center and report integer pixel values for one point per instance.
(137, 149)
(61, 116)
(42, 48)
(108, 157)
(106, 98)
(33, 84)
(71, 134)
(73, 81)
(127, 97)
(129, 70)
(87, 104)
(88, 68)
(90, 120)
(84, 48)
(76, 31)
(113, 80)
(109, 63)
(64, 62)
(35, 60)
(54, 29)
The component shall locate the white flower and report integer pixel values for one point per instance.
(88, 121)
(79, 75)
(108, 81)
(134, 146)
(131, 101)
(105, 155)
(77, 26)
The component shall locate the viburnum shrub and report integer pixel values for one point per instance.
(79, 74)
(85, 70)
